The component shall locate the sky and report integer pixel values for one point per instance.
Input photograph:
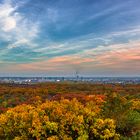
(60, 37)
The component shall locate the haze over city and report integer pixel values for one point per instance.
(60, 37)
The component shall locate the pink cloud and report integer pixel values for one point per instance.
(119, 58)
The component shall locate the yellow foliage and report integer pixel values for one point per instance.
(55, 120)
(136, 104)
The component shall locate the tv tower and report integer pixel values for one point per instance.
(77, 75)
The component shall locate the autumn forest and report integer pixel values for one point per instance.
(70, 111)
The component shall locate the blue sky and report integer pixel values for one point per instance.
(59, 37)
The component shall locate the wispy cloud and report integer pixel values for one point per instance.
(120, 58)
(62, 36)
(15, 27)
(89, 42)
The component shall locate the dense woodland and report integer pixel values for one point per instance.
(70, 111)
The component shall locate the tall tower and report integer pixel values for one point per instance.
(77, 75)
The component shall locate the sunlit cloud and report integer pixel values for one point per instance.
(15, 27)
(118, 58)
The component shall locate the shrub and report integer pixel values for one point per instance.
(54, 120)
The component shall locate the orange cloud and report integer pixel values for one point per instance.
(119, 57)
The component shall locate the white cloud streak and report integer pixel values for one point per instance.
(90, 42)
(15, 27)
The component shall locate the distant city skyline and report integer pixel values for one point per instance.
(60, 37)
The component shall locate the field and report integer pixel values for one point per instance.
(70, 111)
